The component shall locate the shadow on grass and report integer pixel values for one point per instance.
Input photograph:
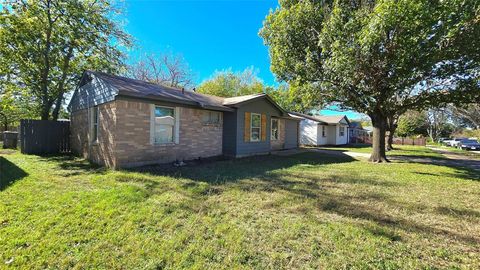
(359, 198)
(237, 169)
(344, 206)
(72, 165)
(9, 173)
(465, 169)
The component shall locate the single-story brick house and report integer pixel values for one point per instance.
(323, 130)
(122, 122)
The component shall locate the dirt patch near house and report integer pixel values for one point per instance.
(7, 151)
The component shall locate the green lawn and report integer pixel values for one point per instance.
(400, 150)
(302, 211)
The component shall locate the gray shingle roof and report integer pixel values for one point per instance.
(141, 89)
(123, 86)
(330, 119)
(325, 119)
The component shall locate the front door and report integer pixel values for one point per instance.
(276, 136)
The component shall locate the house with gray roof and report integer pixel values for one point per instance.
(122, 122)
(322, 129)
(358, 134)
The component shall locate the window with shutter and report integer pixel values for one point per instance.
(255, 127)
(246, 131)
(264, 128)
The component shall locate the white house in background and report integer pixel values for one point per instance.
(322, 129)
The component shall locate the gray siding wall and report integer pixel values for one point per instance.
(93, 93)
(261, 106)
(291, 134)
(229, 133)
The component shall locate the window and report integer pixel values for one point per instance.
(211, 118)
(274, 127)
(164, 125)
(342, 131)
(94, 122)
(323, 131)
(255, 128)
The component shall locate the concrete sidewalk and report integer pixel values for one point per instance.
(450, 159)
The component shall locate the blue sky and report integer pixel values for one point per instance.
(211, 35)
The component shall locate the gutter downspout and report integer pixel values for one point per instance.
(89, 124)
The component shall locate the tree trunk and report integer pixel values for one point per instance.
(391, 128)
(56, 110)
(390, 141)
(378, 140)
(61, 84)
(5, 121)
(46, 104)
(45, 112)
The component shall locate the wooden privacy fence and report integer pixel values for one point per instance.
(44, 137)
(410, 141)
(400, 140)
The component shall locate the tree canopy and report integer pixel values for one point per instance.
(45, 45)
(377, 57)
(227, 83)
(412, 123)
(14, 105)
(467, 115)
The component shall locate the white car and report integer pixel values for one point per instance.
(447, 142)
(455, 142)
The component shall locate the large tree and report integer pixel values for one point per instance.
(227, 83)
(15, 102)
(467, 115)
(378, 57)
(166, 69)
(284, 96)
(13, 107)
(412, 123)
(46, 44)
(437, 123)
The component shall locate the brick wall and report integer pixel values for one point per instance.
(280, 143)
(101, 152)
(133, 146)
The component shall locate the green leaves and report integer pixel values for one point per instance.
(230, 84)
(46, 45)
(383, 56)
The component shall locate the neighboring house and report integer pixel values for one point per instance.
(357, 134)
(369, 130)
(122, 122)
(322, 130)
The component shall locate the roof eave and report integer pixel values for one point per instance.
(307, 117)
(239, 104)
(176, 101)
(69, 107)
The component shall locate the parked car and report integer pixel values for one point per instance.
(468, 144)
(454, 142)
(442, 140)
(446, 142)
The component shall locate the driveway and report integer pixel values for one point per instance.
(457, 159)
